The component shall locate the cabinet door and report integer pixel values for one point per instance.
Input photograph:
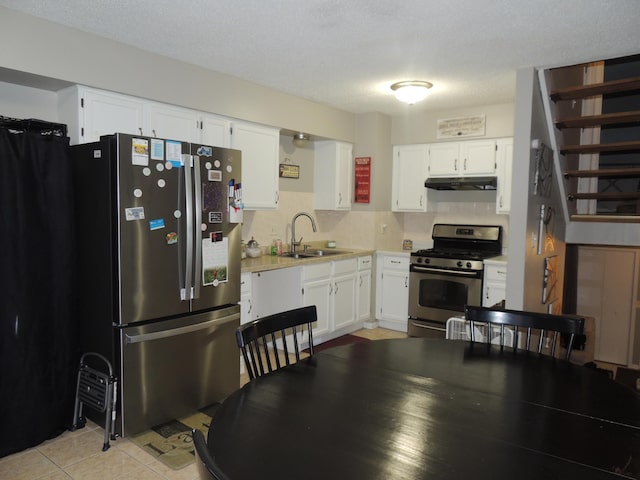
(409, 173)
(504, 159)
(216, 131)
(246, 310)
(276, 291)
(333, 175)
(494, 292)
(494, 285)
(395, 297)
(318, 293)
(167, 121)
(363, 313)
(478, 157)
(105, 113)
(344, 176)
(344, 300)
(606, 287)
(444, 159)
(260, 149)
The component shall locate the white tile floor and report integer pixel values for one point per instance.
(78, 455)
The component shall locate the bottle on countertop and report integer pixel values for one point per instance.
(278, 247)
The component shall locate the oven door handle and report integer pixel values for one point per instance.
(442, 270)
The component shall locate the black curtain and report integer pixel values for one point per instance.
(37, 332)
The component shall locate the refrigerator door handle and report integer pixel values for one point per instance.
(174, 332)
(197, 189)
(187, 293)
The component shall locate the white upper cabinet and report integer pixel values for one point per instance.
(333, 175)
(443, 159)
(260, 148)
(469, 158)
(90, 113)
(176, 123)
(504, 160)
(216, 131)
(408, 193)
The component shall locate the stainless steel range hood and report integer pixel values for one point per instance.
(461, 183)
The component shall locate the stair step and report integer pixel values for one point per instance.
(620, 118)
(633, 146)
(605, 196)
(605, 172)
(583, 91)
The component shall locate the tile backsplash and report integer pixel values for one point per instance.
(380, 230)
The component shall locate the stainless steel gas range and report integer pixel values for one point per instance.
(445, 278)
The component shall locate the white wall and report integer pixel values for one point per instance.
(525, 265)
(47, 50)
(25, 102)
(421, 127)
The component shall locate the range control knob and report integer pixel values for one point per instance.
(427, 260)
(468, 264)
(459, 264)
(419, 259)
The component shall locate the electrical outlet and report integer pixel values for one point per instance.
(383, 228)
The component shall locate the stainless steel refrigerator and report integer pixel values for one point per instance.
(159, 240)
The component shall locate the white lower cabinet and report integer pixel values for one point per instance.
(344, 293)
(275, 291)
(246, 306)
(363, 310)
(392, 291)
(494, 285)
(317, 286)
(333, 287)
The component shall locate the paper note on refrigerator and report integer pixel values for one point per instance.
(215, 261)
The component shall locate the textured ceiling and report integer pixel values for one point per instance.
(346, 53)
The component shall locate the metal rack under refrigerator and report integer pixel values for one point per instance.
(159, 241)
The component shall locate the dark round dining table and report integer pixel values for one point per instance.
(419, 408)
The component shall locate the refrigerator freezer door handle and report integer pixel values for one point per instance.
(145, 337)
(188, 191)
(197, 189)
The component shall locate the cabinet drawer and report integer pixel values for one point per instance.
(317, 271)
(396, 263)
(495, 272)
(341, 267)
(364, 263)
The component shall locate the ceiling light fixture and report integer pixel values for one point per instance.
(411, 91)
(300, 139)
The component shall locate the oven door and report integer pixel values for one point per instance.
(438, 294)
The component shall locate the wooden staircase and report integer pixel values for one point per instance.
(596, 110)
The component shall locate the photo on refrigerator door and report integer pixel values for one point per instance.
(215, 259)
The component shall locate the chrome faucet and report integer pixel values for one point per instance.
(295, 243)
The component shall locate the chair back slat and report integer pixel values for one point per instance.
(274, 336)
(543, 323)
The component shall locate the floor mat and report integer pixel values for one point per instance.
(171, 442)
(337, 342)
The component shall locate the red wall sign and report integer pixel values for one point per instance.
(363, 179)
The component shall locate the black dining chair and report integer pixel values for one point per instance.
(264, 341)
(543, 326)
(206, 465)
